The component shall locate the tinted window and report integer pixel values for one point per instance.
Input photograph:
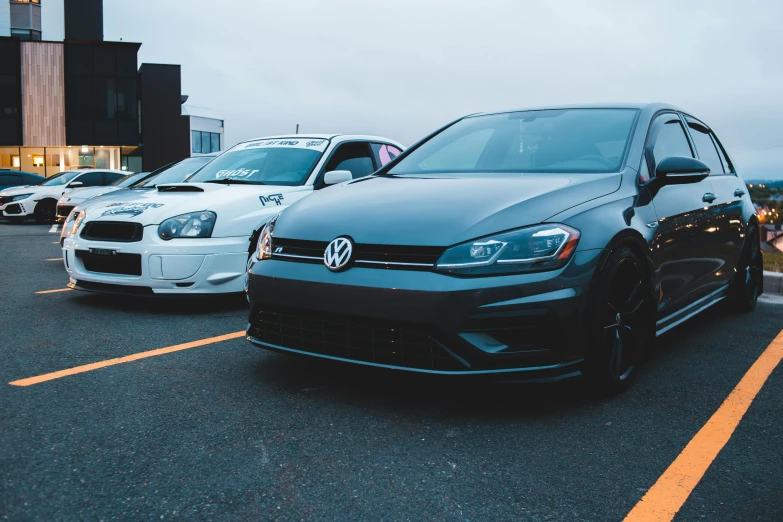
(7, 180)
(705, 147)
(670, 139)
(177, 173)
(353, 157)
(557, 140)
(91, 179)
(384, 153)
(127, 181)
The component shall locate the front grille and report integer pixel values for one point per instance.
(368, 256)
(124, 264)
(6, 199)
(112, 231)
(351, 338)
(64, 210)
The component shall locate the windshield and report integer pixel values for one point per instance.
(62, 178)
(265, 162)
(127, 181)
(546, 141)
(177, 173)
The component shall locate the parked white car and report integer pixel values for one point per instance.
(176, 172)
(40, 201)
(196, 237)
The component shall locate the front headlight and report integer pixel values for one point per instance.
(532, 249)
(77, 217)
(194, 224)
(20, 197)
(265, 239)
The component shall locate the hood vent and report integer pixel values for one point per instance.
(179, 188)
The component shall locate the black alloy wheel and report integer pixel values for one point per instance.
(747, 283)
(45, 213)
(621, 323)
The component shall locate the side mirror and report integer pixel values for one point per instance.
(337, 176)
(676, 170)
(75, 184)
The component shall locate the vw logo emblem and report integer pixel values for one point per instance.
(338, 254)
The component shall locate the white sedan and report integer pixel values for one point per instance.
(40, 201)
(196, 237)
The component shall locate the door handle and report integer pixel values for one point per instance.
(739, 193)
(709, 197)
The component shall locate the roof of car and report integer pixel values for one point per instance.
(656, 106)
(342, 137)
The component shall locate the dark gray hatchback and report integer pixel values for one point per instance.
(534, 244)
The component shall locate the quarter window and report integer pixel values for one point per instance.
(705, 147)
(671, 139)
(384, 153)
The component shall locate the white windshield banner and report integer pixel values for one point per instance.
(288, 143)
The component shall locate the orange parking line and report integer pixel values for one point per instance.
(54, 291)
(120, 360)
(669, 493)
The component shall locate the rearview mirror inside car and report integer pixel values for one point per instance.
(676, 170)
(337, 176)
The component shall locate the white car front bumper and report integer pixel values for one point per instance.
(153, 266)
(23, 208)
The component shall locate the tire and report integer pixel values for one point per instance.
(746, 286)
(620, 323)
(45, 212)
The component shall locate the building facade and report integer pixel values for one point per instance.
(69, 99)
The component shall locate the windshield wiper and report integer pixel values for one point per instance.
(227, 181)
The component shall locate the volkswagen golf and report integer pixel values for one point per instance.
(522, 245)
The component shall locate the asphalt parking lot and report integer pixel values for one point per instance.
(223, 430)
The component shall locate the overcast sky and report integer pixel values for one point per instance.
(401, 69)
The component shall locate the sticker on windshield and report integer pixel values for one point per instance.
(303, 143)
(235, 174)
(130, 209)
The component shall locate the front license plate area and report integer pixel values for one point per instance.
(103, 252)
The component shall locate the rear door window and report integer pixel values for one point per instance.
(705, 146)
(111, 177)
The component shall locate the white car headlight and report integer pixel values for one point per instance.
(265, 239)
(20, 197)
(531, 249)
(194, 224)
(73, 221)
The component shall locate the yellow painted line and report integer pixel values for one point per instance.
(42, 292)
(120, 360)
(669, 493)
(55, 259)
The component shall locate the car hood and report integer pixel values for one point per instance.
(24, 189)
(438, 210)
(80, 194)
(239, 208)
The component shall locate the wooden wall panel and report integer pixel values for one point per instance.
(43, 94)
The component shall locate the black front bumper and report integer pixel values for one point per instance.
(513, 327)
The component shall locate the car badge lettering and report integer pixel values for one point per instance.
(272, 198)
(338, 254)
